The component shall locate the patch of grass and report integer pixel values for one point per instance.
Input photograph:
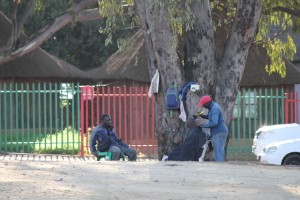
(16, 141)
(62, 142)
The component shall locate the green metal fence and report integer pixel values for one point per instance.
(253, 109)
(45, 118)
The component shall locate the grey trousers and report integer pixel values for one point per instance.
(127, 151)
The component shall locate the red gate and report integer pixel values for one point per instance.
(132, 112)
(291, 107)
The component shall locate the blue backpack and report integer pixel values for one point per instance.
(172, 101)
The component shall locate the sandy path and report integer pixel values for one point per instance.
(145, 179)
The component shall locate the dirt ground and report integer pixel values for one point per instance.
(59, 177)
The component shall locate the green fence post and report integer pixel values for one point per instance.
(266, 106)
(239, 123)
(73, 122)
(22, 116)
(45, 117)
(260, 107)
(61, 118)
(39, 115)
(67, 116)
(78, 114)
(249, 122)
(33, 116)
(28, 117)
(277, 106)
(244, 121)
(16, 117)
(56, 115)
(255, 113)
(282, 106)
(50, 112)
(5, 117)
(271, 106)
(11, 115)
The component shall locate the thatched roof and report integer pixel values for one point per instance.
(132, 65)
(127, 64)
(38, 64)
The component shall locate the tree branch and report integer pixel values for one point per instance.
(283, 9)
(88, 15)
(24, 17)
(45, 33)
(93, 14)
(13, 36)
(63, 20)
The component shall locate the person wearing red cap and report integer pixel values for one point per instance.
(217, 126)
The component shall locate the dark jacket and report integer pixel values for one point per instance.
(192, 147)
(104, 138)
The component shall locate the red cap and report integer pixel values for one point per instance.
(204, 99)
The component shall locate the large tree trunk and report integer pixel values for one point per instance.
(232, 65)
(161, 49)
(200, 63)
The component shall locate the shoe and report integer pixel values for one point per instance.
(164, 158)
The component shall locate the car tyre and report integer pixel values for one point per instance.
(292, 160)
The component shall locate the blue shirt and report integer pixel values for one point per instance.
(216, 120)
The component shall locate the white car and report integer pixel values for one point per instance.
(285, 152)
(275, 133)
(269, 134)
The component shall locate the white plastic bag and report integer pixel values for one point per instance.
(154, 84)
(182, 112)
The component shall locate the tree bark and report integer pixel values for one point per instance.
(233, 61)
(162, 55)
(200, 64)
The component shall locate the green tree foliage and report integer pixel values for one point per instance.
(278, 23)
(81, 44)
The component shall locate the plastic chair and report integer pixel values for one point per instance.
(107, 155)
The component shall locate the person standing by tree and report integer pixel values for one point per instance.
(106, 140)
(216, 123)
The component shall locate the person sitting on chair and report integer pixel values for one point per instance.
(104, 137)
